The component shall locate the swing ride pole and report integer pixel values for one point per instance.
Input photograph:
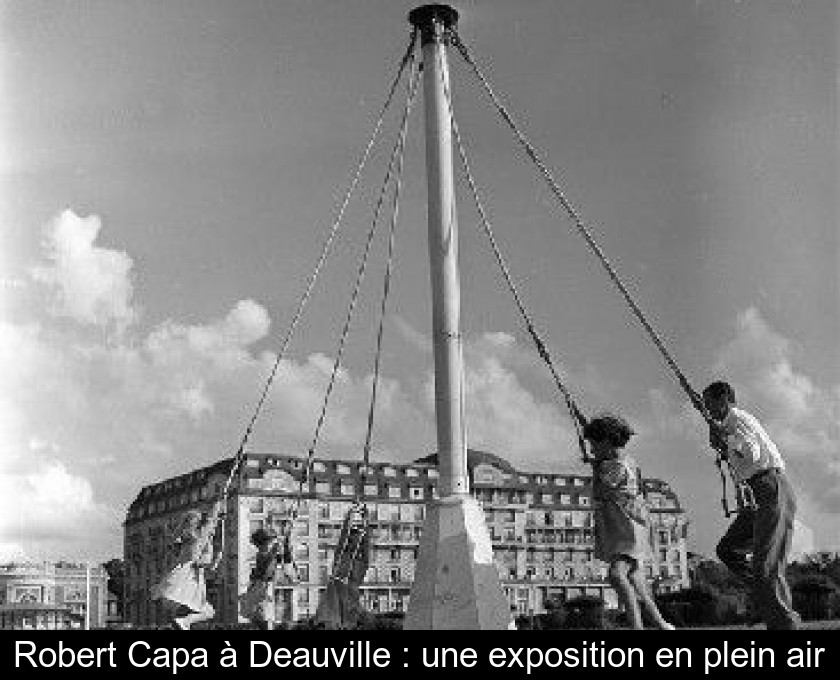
(443, 254)
(456, 585)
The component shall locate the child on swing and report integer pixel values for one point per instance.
(621, 533)
(340, 606)
(184, 590)
(273, 551)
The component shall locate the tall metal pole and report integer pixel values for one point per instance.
(456, 584)
(443, 252)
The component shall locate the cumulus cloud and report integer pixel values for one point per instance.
(91, 284)
(801, 414)
(44, 508)
(503, 415)
(86, 419)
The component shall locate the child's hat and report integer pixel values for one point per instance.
(262, 536)
(609, 426)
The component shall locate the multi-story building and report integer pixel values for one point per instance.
(52, 595)
(540, 525)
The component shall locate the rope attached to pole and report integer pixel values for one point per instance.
(407, 58)
(578, 419)
(386, 286)
(530, 150)
(394, 162)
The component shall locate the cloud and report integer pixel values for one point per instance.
(412, 336)
(87, 419)
(505, 418)
(91, 284)
(802, 416)
(43, 506)
(503, 415)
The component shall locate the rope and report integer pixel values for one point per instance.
(396, 154)
(530, 150)
(578, 419)
(584, 232)
(386, 289)
(327, 246)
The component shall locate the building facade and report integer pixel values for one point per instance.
(540, 524)
(52, 595)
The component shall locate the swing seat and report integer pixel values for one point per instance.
(340, 606)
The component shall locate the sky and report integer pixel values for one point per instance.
(170, 172)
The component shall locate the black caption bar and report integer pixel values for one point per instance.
(469, 654)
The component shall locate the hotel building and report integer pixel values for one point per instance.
(540, 525)
(48, 595)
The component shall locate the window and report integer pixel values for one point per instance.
(578, 481)
(371, 490)
(416, 493)
(583, 500)
(303, 573)
(559, 481)
(394, 574)
(411, 472)
(529, 498)
(317, 466)
(323, 510)
(342, 469)
(389, 471)
(406, 512)
(394, 491)
(565, 499)
(523, 479)
(433, 474)
(394, 555)
(348, 488)
(322, 488)
(323, 574)
(255, 504)
(547, 498)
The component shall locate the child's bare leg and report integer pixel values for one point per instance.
(644, 597)
(618, 575)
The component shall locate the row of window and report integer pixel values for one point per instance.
(342, 468)
(519, 497)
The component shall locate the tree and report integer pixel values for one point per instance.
(115, 568)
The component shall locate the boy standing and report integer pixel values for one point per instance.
(766, 530)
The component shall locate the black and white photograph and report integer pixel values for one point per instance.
(380, 315)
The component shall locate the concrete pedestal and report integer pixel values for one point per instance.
(456, 585)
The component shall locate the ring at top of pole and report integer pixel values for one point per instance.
(425, 17)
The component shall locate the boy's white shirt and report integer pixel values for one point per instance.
(750, 447)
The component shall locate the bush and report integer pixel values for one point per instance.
(703, 606)
(816, 597)
(586, 612)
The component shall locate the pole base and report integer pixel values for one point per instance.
(456, 584)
